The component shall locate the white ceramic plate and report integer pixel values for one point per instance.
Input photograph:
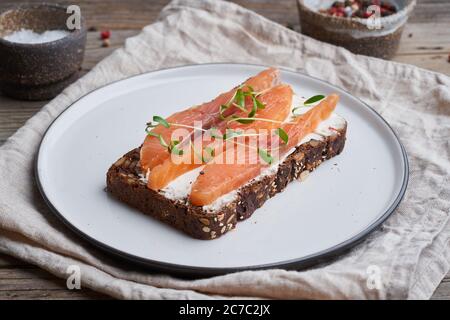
(342, 201)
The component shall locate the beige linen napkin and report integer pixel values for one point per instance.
(412, 248)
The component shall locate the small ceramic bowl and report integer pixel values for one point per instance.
(355, 34)
(42, 70)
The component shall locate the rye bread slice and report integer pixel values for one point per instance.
(125, 183)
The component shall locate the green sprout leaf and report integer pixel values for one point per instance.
(161, 139)
(265, 155)
(208, 150)
(238, 100)
(314, 99)
(282, 134)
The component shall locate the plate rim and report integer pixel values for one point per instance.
(195, 271)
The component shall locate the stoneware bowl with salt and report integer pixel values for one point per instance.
(354, 33)
(39, 56)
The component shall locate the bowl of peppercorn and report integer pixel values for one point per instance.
(369, 27)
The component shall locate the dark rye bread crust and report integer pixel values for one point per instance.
(123, 182)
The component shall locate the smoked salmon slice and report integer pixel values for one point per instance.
(220, 179)
(277, 107)
(153, 153)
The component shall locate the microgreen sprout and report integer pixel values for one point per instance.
(230, 134)
(265, 155)
(282, 134)
(173, 148)
(238, 100)
(159, 137)
(313, 99)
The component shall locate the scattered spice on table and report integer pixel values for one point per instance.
(359, 8)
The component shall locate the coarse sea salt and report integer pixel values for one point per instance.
(29, 36)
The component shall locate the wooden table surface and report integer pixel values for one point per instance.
(425, 43)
